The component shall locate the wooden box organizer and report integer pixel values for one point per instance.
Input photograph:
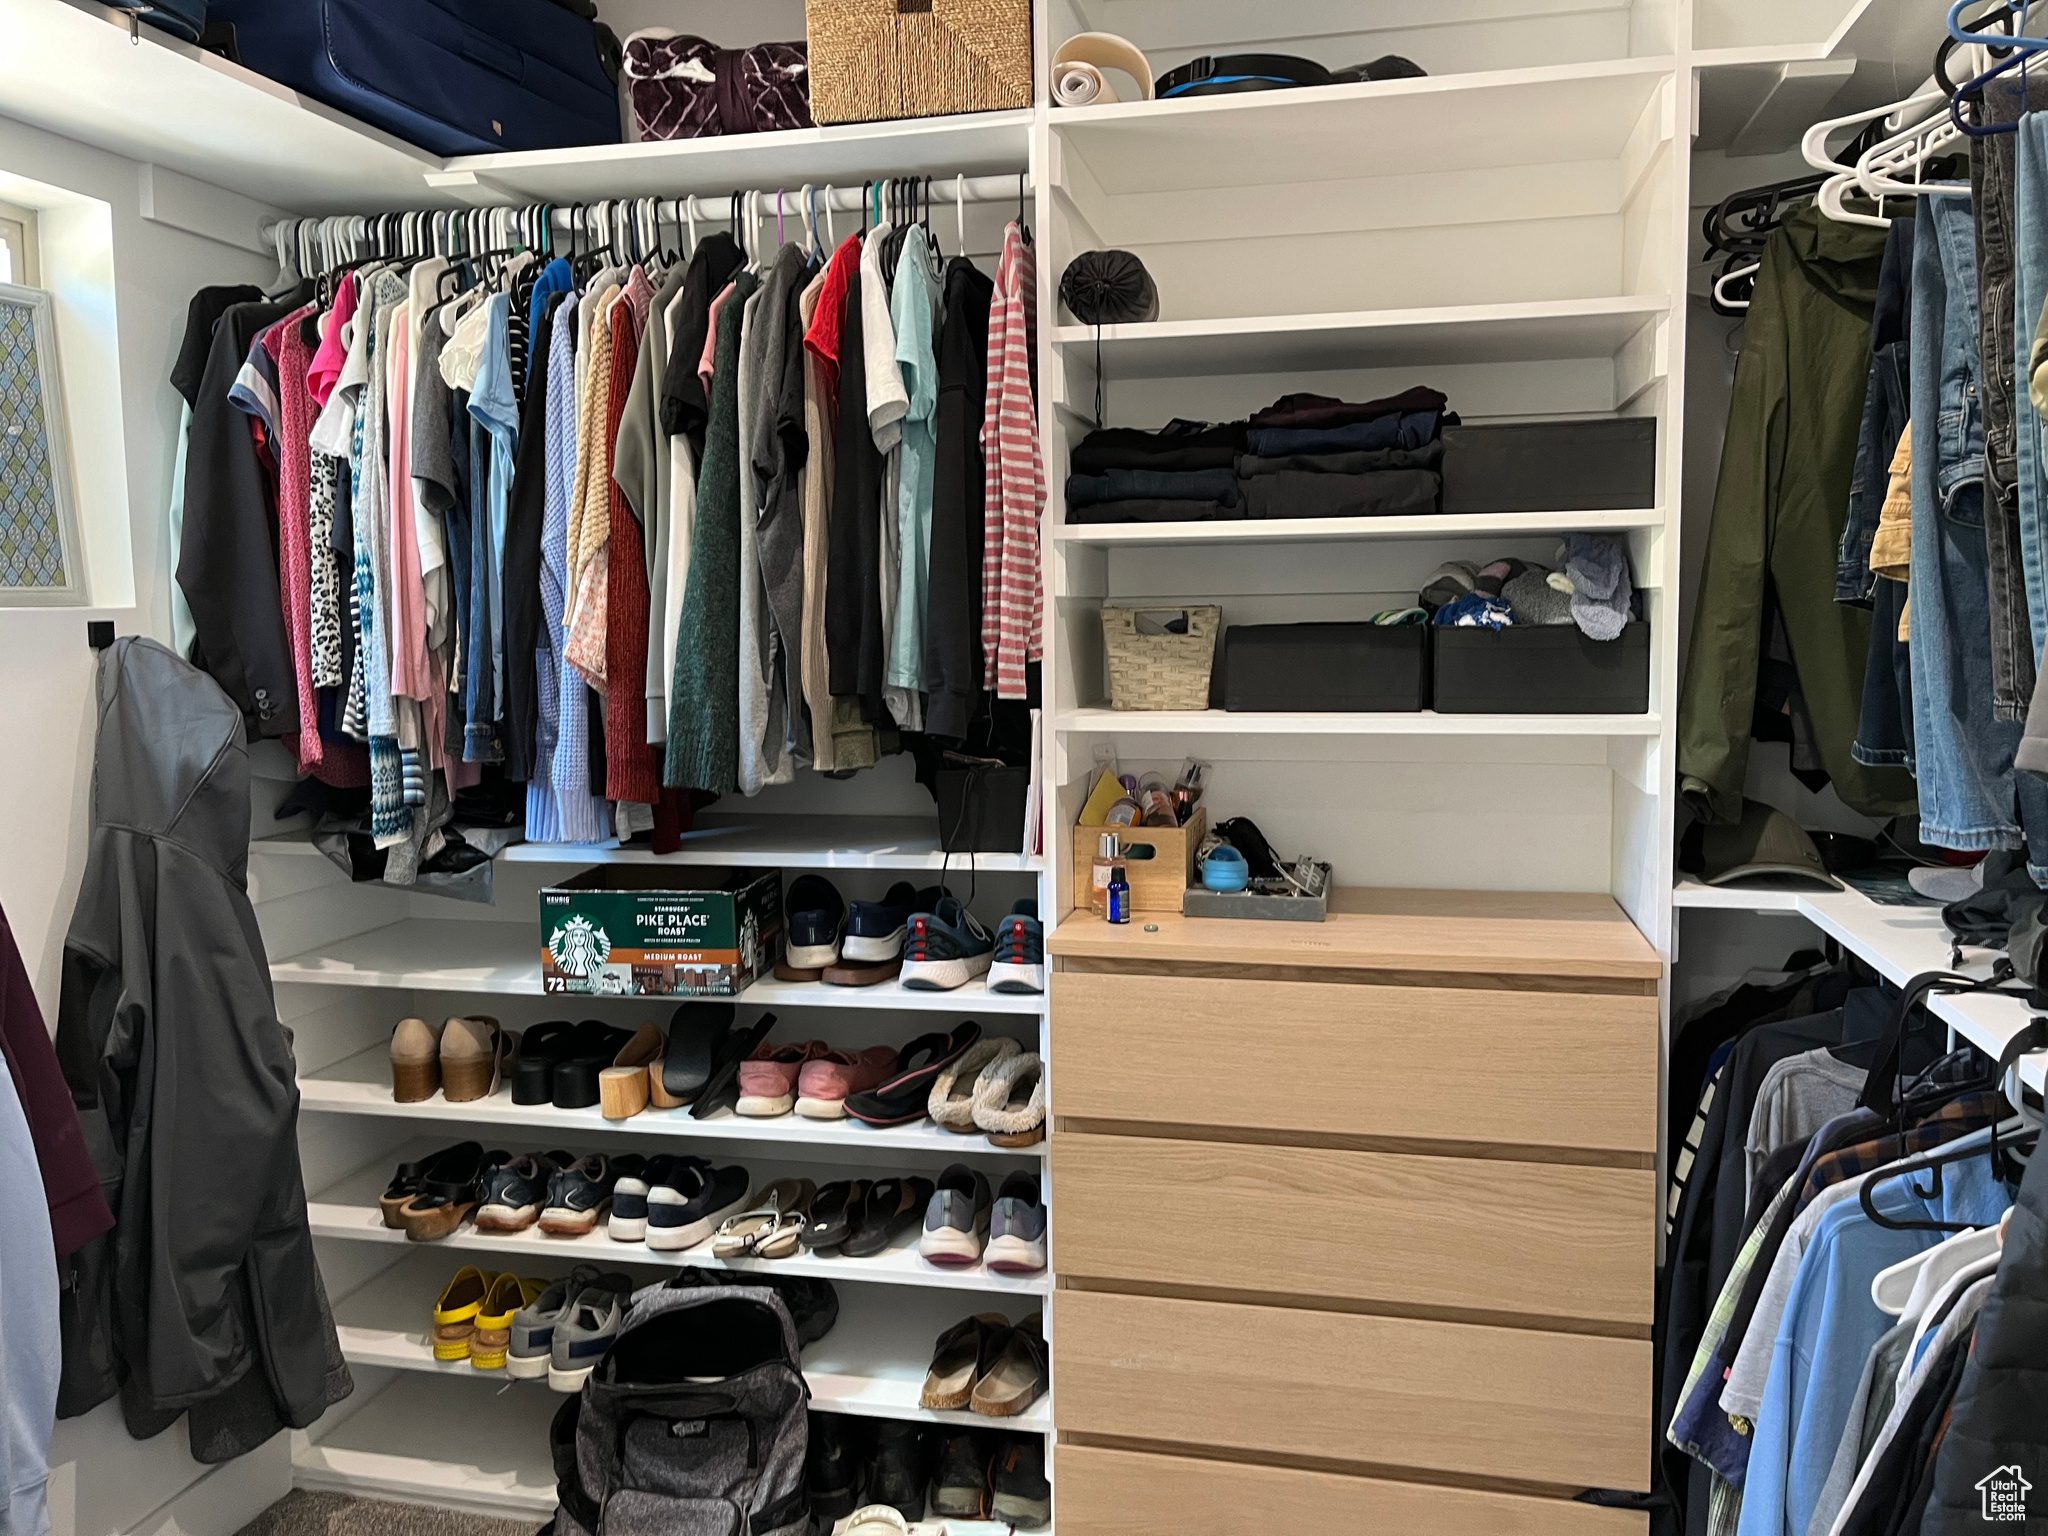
(1156, 882)
(872, 60)
(1430, 1307)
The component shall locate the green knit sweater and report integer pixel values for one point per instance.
(703, 722)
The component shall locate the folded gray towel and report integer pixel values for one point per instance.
(1601, 590)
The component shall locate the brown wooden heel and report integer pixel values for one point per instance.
(413, 1081)
(622, 1092)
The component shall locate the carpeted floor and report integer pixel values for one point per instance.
(302, 1513)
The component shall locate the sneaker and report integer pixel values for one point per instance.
(826, 1082)
(628, 1220)
(533, 1325)
(875, 930)
(768, 1078)
(956, 1218)
(585, 1333)
(683, 1213)
(960, 1489)
(832, 1465)
(947, 948)
(1016, 1228)
(1019, 965)
(512, 1195)
(1022, 1495)
(901, 1469)
(816, 914)
(577, 1197)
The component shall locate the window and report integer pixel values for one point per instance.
(39, 559)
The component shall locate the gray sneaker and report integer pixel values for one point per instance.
(586, 1330)
(533, 1327)
(1016, 1229)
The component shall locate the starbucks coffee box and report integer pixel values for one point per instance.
(635, 930)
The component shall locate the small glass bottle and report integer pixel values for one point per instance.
(1108, 863)
(1119, 895)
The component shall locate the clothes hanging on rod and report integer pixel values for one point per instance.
(563, 514)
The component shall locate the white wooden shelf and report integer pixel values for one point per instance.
(450, 955)
(1555, 114)
(786, 842)
(348, 1210)
(361, 1085)
(976, 144)
(1170, 722)
(1899, 942)
(1336, 530)
(1545, 330)
(872, 1363)
(491, 1457)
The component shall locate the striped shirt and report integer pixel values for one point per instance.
(1012, 600)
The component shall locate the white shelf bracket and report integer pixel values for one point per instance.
(475, 190)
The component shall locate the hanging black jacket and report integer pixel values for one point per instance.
(206, 1296)
(2000, 1422)
(952, 626)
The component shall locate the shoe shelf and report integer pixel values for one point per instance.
(1195, 722)
(347, 1209)
(872, 1363)
(453, 955)
(361, 1085)
(786, 842)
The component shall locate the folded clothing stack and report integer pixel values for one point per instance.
(1303, 456)
(1590, 588)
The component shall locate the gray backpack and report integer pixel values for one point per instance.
(694, 1424)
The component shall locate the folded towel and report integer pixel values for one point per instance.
(1601, 589)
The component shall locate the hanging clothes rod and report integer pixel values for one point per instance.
(712, 207)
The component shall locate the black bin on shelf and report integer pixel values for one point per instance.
(1551, 669)
(1362, 668)
(1551, 466)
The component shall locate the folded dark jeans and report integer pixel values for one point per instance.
(1153, 511)
(1409, 431)
(1179, 445)
(1389, 493)
(1152, 485)
(1319, 411)
(1366, 462)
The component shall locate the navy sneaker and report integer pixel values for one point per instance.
(1019, 965)
(817, 916)
(946, 949)
(577, 1196)
(512, 1195)
(687, 1209)
(875, 929)
(628, 1221)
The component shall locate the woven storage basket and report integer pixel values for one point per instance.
(873, 59)
(1160, 671)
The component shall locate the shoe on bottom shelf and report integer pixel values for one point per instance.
(585, 1332)
(533, 1325)
(946, 948)
(956, 1218)
(960, 1488)
(1022, 1495)
(900, 1470)
(1019, 963)
(832, 1464)
(1016, 1230)
(492, 1341)
(455, 1312)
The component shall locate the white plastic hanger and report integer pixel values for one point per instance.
(807, 210)
(1893, 1288)
(960, 211)
(1721, 282)
(831, 230)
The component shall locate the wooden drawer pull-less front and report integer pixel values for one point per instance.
(1520, 1068)
(1525, 1239)
(1563, 1410)
(1106, 1492)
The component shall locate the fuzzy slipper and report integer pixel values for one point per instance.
(1009, 1101)
(952, 1100)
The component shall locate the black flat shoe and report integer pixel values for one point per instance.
(593, 1045)
(832, 1215)
(891, 1209)
(540, 1049)
(722, 1089)
(694, 1035)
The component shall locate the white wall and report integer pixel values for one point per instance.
(103, 1481)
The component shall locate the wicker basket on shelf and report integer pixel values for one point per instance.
(875, 59)
(1150, 666)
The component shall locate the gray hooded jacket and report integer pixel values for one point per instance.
(206, 1295)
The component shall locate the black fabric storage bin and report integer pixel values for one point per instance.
(981, 809)
(1350, 667)
(1544, 466)
(1551, 669)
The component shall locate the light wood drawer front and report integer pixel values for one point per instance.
(1564, 1410)
(1107, 1492)
(1533, 1239)
(1517, 1068)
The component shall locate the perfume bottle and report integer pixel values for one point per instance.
(1108, 864)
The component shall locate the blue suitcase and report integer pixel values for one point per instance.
(457, 77)
(181, 18)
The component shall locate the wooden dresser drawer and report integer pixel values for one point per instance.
(1563, 1410)
(1547, 1069)
(1107, 1492)
(1540, 1239)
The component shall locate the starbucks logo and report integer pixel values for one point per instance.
(580, 947)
